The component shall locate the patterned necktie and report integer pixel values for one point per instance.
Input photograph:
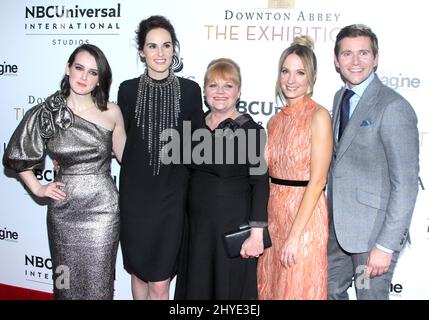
(345, 111)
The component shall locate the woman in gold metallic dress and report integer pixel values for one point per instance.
(78, 127)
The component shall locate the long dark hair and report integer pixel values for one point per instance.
(101, 91)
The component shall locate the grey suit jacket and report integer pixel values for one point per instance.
(373, 179)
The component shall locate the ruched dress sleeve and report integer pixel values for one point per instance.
(26, 147)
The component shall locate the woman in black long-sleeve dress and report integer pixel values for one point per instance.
(224, 194)
(152, 195)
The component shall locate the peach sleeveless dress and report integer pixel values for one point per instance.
(288, 157)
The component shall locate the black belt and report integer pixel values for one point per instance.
(292, 183)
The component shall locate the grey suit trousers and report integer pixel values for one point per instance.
(344, 267)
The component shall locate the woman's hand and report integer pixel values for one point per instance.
(289, 252)
(51, 190)
(253, 246)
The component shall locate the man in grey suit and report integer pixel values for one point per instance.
(373, 180)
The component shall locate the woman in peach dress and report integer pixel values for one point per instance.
(298, 152)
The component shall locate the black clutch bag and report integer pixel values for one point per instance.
(233, 240)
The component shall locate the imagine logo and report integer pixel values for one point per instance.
(396, 289)
(9, 235)
(8, 69)
(400, 82)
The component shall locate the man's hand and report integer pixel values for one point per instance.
(378, 262)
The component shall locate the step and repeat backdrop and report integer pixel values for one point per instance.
(38, 36)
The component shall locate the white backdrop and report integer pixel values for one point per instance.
(37, 41)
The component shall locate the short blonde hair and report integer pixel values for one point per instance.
(223, 68)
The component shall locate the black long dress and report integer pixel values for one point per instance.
(152, 207)
(221, 197)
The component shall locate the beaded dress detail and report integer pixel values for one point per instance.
(157, 109)
(153, 194)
